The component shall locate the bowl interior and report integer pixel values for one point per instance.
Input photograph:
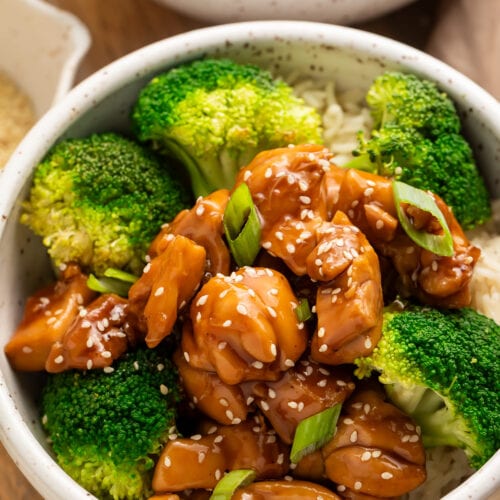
(103, 102)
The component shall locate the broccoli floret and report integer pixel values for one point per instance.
(441, 367)
(417, 140)
(215, 115)
(107, 429)
(100, 200)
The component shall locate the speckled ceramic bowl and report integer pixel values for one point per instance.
(103, 102)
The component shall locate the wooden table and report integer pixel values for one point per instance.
(121, 26)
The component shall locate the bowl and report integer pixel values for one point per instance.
(338, 11)
(103, 102)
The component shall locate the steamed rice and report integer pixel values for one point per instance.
(345, 115)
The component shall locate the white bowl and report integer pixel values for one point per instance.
(103, 102)
(40, 49)
(336, 11)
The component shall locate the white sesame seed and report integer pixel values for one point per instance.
(266, 245)
(218, 439)
(59, 359)
(289, 362)
(273, 349)
(108, 369)
(341, 488)
(368, 191)
(358, 485)
(376, 453)
(271, 393)
(321, 332)
(106, 354)
(159, 291)
(414, 438)
(229, 414)
(279, 235)
(90, 363)
(221, 345)
(196, 437)
(290, 248)
(323, 348)
(434, 266)
(258, 364)
(306, 200)
(249, 400)
(272, 311)
(27, 349)
(227, 323)
(202, 300)
(367, 408)
(218, 474)
(247, 175)
(368, 343)
(223, 402)
(379, 224)
(167, 462)
(164, 389)
(292, 404)
(264, 405)
(366, 456)
(186, 356)
(242, 309)
(322, 383)
(280, 459)
(348, 421)
(201, 456)
(354, 436)
(386, 475)
(200, 210)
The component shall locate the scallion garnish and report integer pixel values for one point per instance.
(314, 432)
(113, 281)
(303, 311)
(440, 244)
(233, 480)
(242, 226)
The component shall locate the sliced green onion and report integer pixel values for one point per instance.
(113, 281)
(233, 480)
(440, 244)
(303, 311)
(242, 226)
(314, 432)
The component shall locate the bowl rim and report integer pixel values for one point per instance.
(39, 468)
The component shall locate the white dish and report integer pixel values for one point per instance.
(334, 11)
(103, 102)
(40, 49)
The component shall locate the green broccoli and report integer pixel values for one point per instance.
(441, 367)
(417, 140)
(100, 200)
(215, 115)
(107, 429)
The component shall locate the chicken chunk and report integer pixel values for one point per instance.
(377, 449)
(166, 285)
(47, 316)
(99, 335)
(244, 326)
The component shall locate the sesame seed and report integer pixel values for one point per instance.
(271, 439)
(186, 356)
(290, 248)
(368, 343)
(268, 173)
(414, 438)
(279, 235)
(159, 291)
(218, 474)
(376, 453)
(51, 320)
(196, 437)
(289, 362)
(27, 349)
(266, 245)
(386, 475)
(108, 369)
(348, 421)
(341, 383)
(164, 389)
(341, 488)
(303, 185)
(90, 363)
(357, 406)
(223, 402)
(306, 200)
(323, 348)
(366, 456)
(271, 393)
(366, 408)
(227, 323)
(59, 359)
(202, 300)
(280, 459)
(249, 400)
(167, 462)
(379, 224)
(229, 414)
(264, 405)
(218, 439)
(358, 485)
(368, 191)
(324, 371)
(200, 210)
(201, 456)
(242, 309)
(354, 437)
(321, 332)
(288, 478)
(322, 383)
(434, 266)
(272, 311)
(221, 345)
(292, 404)
(258, 364)
(106, 354)
(247, 175)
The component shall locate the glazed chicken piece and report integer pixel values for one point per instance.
(304, 390)
(286, 490)
(296, 188)
(47, 316)
(100, 334)
(244, 326)
(201, 460)
(224, 403)
(167, 284)
(203, 225)
(349, 305)
(377, 450)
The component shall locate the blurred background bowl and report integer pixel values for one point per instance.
(40, 49)
(333, 11)
(103, 102)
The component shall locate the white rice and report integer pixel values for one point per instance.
(485, 285)
(344, 114)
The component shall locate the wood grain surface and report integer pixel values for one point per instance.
(461, 32)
